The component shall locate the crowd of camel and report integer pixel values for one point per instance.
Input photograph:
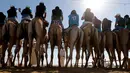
(87, 39)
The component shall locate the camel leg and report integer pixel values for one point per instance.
(70, 56)
(82, 57)
(46, 55)
(66, 49)
(18, 58)
(119, 57)
(94, 58)
(21, 60)
(42, 59)
(16, 50)
(30, 49)
(52, 51)
(125, 52)
(4, 44)
(42, 54)
(37, 51)
(9, 52)
(87, 55)
(59, 47)
(77, 54)
(25, 52)
(109, 56)
(114, 57)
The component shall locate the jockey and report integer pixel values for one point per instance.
(73, 20)
(2, 19)
(41, 11)
(120, 22)
(88, 17)
(97, 23)
(57, 15)
(127, 21)
(12, 14)
(26, 13)
(106, 25)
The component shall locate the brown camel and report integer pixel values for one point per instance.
(1, 25)
(109, 45)
(91, 40)
(44, 50)
(9, 38)
(123, 45)
(55, 36)
(22, 33)
(73, 37)
(37, 30)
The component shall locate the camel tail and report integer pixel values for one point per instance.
(81, 34)
(117, 41)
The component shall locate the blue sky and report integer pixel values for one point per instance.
(108, 9)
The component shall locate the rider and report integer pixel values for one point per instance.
(41, 11)
(57, 16)
(127, 21)
(88, 17)
(73, 20)
(27, 13)
(106, 25)
(97, 23)
(12, 14)
(2, 19)
(120, 22)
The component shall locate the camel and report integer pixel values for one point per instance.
(22, 33)
(37, 30)
(9, 38)
(108, 37)
(73, 37)
(91, 40)
(44, 50)
(1, 25)
(123, 46)
(55, 37)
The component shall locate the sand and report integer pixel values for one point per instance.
(62, 70)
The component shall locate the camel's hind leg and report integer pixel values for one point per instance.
(4, 48)
(16, 50)
(37, 51)
(52, 51)
(46, 55)
(9, 59)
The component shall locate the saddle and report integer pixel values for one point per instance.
(10, 22)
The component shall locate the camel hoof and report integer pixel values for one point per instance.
(50, 65)
(66, 65)
(4, 65)
(20, 65)
(76, 65)
(82, 66)
(12, 64)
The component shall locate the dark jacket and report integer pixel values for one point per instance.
(97, 23)
(106, 25)
(56, 14)
(27, 11)
(40, 10)
(2, 18)
(121, 22)
(12, 12)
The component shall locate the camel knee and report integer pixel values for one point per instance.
(70, 57)
(46, 55)
(77, 57)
